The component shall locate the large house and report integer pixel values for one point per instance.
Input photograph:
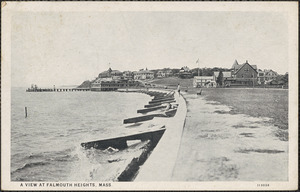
(128, 75)
(164, 73)
(204, 81)
(143, 74)
(185, 72)
(111, 84)
(110, 73)
(266, 76)
(242, 74)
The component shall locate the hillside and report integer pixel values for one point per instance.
(173, 81)
(85, 84)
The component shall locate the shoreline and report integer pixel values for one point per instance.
(160, 164)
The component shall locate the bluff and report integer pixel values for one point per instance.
(85, 84)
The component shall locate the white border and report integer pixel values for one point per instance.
(291, 8)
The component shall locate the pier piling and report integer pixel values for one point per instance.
(25, 112)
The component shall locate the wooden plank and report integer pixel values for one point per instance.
(150, 109)
(163, 101)
(170, 94)
(143, 118)
(160, 100)
(121, 142)
(152, 105)
(157, 104)
(164, 97)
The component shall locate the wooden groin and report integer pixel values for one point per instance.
(121, 142)
(160, 100)
(152, 105)
(143, 118)
(150, 109)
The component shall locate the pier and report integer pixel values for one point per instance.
(56, 90)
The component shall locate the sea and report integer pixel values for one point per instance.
(45, 145)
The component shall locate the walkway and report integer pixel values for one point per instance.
(219, 146)
(160, 164)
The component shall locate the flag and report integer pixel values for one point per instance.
(197, 61)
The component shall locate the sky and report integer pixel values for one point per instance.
(67, 48)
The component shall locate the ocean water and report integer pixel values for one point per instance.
(45, 146)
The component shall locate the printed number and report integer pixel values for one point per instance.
(263, 185)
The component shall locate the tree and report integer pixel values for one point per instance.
(285, 78)
(220, 78)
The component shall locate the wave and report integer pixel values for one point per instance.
(31, 165)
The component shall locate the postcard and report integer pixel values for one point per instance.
(149, 96)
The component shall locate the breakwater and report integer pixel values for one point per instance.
(160, 165)
(142, 128)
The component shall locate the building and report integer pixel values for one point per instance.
(164, 73)
(246, 74)
(185, 72)
(161, 74)
(204, 81)
(110, 73)
(235, 67)
(270, 75)
(227, 77)
(266, 76)
(144, 74)
(112, 84)
(128, 75)
(240, 75)
(168, 73)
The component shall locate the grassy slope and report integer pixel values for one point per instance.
(254, 102)
(173, 81)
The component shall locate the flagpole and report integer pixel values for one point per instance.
(198, 68)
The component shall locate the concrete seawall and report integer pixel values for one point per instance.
(160, 164)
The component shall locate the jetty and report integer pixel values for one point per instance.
(121, 142)
(156, 104)
(167, 113)
(151, 109)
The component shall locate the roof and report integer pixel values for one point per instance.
(144, 71)
(238, 66)
(235, 64)
(270, 71)
(116, 71)
(226, 74)
(254, 67)
(204, 77)
(243, 66)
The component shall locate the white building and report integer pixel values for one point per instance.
(204, 81)
(144, 74)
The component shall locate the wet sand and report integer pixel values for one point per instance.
(217, 145)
